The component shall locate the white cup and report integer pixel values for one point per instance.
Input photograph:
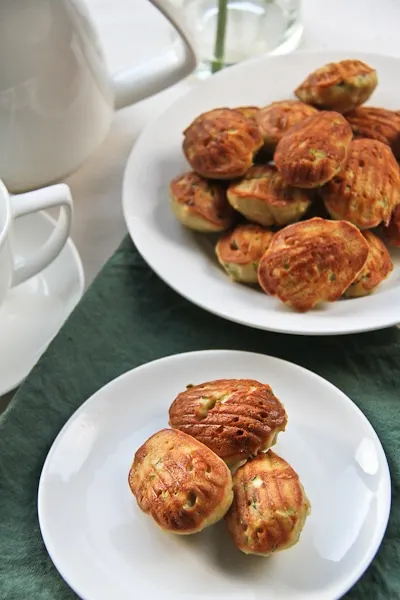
(13, 271)
(56, 97)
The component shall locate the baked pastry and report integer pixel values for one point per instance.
(314, 150)
(367, 188)
(221, 143)
(269, 508)
(377, 124)
(240, 250)
(236, 418)
(180, 482)
(392, 231)
(263, 197)
(339, 86)
(277, 118)
(377, 267)
(200, 204)
(312, 261)
(250, 112)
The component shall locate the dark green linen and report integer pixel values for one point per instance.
(129, 317)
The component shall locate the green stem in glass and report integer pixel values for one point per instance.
(219, 52)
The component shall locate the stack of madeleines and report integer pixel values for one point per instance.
(297, 187)
(216, 462)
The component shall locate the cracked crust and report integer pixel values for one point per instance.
(277, 118)
(377, 267)
(263, 197)
(180, 482)
(236, 418)
(312, 261)
(377, 124)
(312, 152)
(250, 112)
(221, 143)
(200, 204)
(367, 189)
(392, 231)
(269, 508)
(240, 250)
(339, 86)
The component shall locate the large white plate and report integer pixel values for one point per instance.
(185, 260)
(106, 548)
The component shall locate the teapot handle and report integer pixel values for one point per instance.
(135, 84)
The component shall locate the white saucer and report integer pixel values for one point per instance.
(107, 549)
(34, 311)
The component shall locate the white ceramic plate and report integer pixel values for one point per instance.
(185, 260)
(34, 311)
(106, 548)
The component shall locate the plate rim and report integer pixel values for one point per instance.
(130, 218)
(362, 567)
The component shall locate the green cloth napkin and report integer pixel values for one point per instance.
(129, 317)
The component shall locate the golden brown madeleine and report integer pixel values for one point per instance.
(277, 118)
(250, 112)
(339, 86)
(200, 204)
(236, 418)
(377, 267)
(263, 197)
(313, 151)
(392, 231)
(180, 482)
(240, 250)
(366, 190)
(312, 261)
(221, 143)
(377, 124)
(269, 507)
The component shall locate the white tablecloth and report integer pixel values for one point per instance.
(133, 31)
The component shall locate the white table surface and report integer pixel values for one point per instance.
(133, 31)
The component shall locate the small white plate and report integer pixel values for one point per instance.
(106, 548)
(185, 260)
(34, 311)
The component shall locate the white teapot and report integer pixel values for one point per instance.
(56, 97)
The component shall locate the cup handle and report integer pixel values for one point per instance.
(30, 202)
(135, 84)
